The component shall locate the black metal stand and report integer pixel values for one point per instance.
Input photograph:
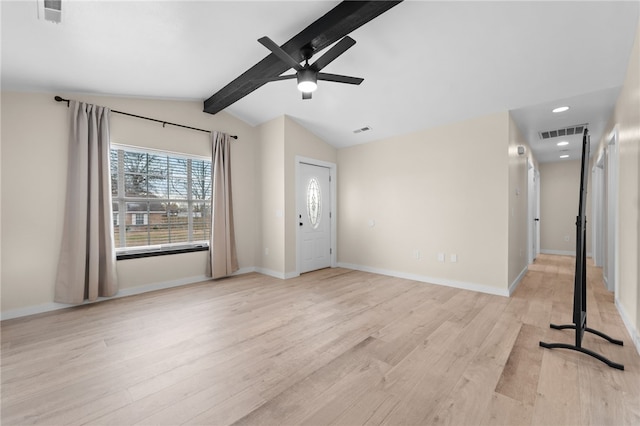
(584, 350)
(580, 282)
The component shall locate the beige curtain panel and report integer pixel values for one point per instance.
(222, 247)
(87, 264)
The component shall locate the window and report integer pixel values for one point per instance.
(314, 206)
(164, 198)
(139, 219)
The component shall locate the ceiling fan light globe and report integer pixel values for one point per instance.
(307, 81)
(307, 86)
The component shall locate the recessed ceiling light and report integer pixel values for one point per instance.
(563, 143)
(564, 156)
(561, 109)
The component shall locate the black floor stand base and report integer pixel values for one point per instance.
(580, 348)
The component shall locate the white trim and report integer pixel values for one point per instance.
(516, 282)
(633, 333)
(156, 151)
(243, 271)
(53, 306)
(276, 274)
(559, 252)
(563, 252)
(481, 288)
(271, 273)
(613, 194)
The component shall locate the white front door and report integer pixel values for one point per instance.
(314, 213)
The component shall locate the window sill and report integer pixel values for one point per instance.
(138, 254)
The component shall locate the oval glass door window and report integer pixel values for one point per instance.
(314, 202)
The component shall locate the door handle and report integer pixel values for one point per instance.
(537, 219)
(300, 223)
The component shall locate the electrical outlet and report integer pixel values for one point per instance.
(416, 254)
(441, 257)
(454, 258)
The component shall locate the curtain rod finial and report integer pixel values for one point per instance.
(60, 99)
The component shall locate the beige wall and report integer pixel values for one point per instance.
(626, 119)
(559, 198)
(518, 203)
(34, 142)
(271, 169)
(298, 142)
(441, 190)
(281, 140)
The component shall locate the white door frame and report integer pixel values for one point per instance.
(597, 204)
(612, 212)
(333, 216)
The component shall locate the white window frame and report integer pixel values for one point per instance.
(121, 199)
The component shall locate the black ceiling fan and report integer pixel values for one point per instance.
(340, 21)
(309, 74)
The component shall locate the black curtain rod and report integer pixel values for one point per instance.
(60, 99)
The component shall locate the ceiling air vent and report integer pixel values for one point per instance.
(362, 129)
(50, 10)
(565, 131)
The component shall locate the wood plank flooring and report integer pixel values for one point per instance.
(332, 347)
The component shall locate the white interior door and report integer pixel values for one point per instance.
(314, 217)
(537, 211)
(533, 214)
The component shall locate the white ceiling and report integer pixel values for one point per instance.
(424, 63)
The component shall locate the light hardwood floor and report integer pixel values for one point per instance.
(330, 347)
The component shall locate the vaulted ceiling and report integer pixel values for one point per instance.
(424, 63)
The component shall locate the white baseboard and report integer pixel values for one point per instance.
(53, 306)
(562, 252)
(276, 274)
(633, 332)
(431, 280)
(559, 252)
(516, 282)
(243, 271)
(271, 273)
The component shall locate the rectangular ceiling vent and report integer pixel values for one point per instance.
(565, 131)
(362, 129)
(50, 10)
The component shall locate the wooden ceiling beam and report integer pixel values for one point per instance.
(334, 25)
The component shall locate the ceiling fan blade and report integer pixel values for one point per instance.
(337, 50)
(278, 78)
(306, 95)
(339, 78)
(284, 56)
